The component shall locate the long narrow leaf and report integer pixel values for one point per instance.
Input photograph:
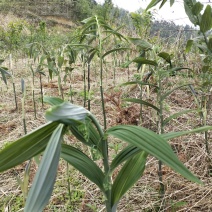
(171, 135)
(3, 74)
(177, 115)
(84, 164)
(142, 60)
(27, 147)
(152, 4)
(43, 183)
(114, 50)
(124, 155)
(171, 91)
(139, 82)
(128, 176)
(153, 144)
(143, 103)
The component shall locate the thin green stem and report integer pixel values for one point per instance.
(160, 131)
(41, 90)
(89, 87)
(106, 164)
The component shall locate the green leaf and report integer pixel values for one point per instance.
(142, 44)
(152, 4)
(206, 21)
(53, 100)
(188, 6)
(143, 103)
(84, 164)
(171, 135)
(142, 60)
(197, 8)
(175, 69)
(166, 57)
(171, 2)
(3, 74)
(189, 45)
(67, 113)
(139, 82)
(87, 134)
(124, 155)
(163, 2)
(114, 50)
(177, 115)
(129, 174)
(60, 61)
(171, 91)
(210, 44)
(43, 183)
(27, 147)
(153, 144)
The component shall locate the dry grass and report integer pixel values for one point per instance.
(181, 195)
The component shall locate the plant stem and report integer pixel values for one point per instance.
(89, 86)
(160, 131)
(60, 89)
(41, 90)
(84, 82)
(14, 91)
(23, 101)
(106, 165)
(68, 182)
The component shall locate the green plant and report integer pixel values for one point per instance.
(4, 72)
(64, 117)
(203, 42)
(98, 32)
(163, 69)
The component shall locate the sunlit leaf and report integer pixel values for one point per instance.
(53, 100)
(66, 113)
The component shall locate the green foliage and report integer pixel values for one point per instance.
(142, 20)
